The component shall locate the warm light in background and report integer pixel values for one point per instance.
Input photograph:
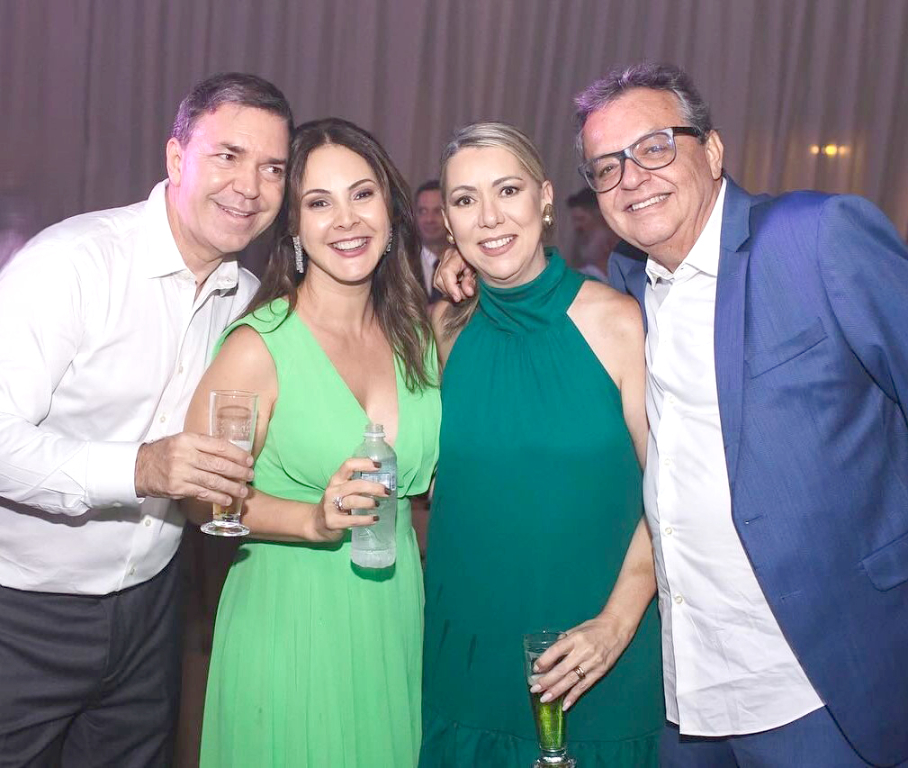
(830, 150)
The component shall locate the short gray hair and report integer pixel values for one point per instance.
(656, 77)
(237, 88)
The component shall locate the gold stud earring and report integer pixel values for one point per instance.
(548, 216)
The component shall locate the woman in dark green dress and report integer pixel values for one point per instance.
(537, 515)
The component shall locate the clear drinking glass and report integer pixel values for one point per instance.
(551, 723)
(231, 416)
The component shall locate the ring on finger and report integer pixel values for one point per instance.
(338, 502)
(580, 672)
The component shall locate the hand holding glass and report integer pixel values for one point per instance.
(231, 416)
(550, 718)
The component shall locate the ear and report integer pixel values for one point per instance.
(715, 151)
(548, 194)
(444, 215)
(173, 154)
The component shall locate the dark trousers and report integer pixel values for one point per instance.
(90, 681)
(812, 741)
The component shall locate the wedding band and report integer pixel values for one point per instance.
(578, 670)
(339, 504)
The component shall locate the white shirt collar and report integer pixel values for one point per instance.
(704, 256)
(163, 256)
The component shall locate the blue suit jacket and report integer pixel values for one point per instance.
(811, 348)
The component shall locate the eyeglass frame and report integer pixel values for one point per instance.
(624, 154)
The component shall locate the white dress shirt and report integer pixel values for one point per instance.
(429, 261)
(102, 343)
(728, 669)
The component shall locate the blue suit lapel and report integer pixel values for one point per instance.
(729, 319)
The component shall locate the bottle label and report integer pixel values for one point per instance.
(387, 479)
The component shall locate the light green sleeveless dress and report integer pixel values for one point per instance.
(315, 661)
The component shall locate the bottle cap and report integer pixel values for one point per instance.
(374, 430)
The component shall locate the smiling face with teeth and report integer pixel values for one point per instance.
(344, 221)
(664, 211)
(226, 184)
(494, 208)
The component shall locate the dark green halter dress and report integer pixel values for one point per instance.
(537, 496)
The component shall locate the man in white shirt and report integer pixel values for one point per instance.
(107, 321)
(432, 233)
(775, 480)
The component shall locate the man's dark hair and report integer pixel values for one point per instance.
(432, 185)
(585, 198)
(238, 88)
(656, 77)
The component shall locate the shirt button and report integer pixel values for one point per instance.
(147, 521)
(666, 461)
(679, 599)
(181, 369)
(132, 571)
(162, 419)
(668, 530)
(672, 399)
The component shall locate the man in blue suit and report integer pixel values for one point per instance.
(776, 480)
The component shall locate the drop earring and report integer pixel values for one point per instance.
(390, 241)
(298, 254)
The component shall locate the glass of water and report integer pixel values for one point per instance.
(551, 723)
(231, 416)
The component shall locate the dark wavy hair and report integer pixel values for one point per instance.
(398, 299)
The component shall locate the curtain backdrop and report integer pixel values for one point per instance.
(88, 88)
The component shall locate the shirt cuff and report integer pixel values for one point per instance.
(111, 474)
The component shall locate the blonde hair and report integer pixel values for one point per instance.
(493, 136)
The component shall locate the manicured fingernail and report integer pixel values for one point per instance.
(535, 667)
(566, 706)
(376, 463)
(547, 696)
(536, 688)
(374, 518)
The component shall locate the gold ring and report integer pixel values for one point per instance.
(579, 671)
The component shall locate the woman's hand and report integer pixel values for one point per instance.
(454, 277)
(583, 655)
(333, 512)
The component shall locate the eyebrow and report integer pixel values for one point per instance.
(354, 185)
(497, 182)
(238, 150)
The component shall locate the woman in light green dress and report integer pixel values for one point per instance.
(317, 662)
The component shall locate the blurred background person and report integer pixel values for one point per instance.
(594, 240)
(537, 514)
(432, 234)
(317, 662)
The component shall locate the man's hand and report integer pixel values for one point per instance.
(454, 277)
(188, 465)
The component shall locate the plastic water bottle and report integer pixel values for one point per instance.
(375, 546)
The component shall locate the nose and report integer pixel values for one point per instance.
(489, 214)
(633, 175)
(344, 215)
(247, 181)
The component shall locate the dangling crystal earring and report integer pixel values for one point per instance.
(298, 253)
(390, 240)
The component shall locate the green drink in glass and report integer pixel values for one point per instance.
(551, 725)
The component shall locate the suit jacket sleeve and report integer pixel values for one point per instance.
(864, 266)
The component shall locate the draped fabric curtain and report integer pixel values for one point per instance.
(88, 88)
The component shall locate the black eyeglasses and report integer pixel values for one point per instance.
(651, 152)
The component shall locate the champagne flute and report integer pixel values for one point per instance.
(551, 725)
(231, 416)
